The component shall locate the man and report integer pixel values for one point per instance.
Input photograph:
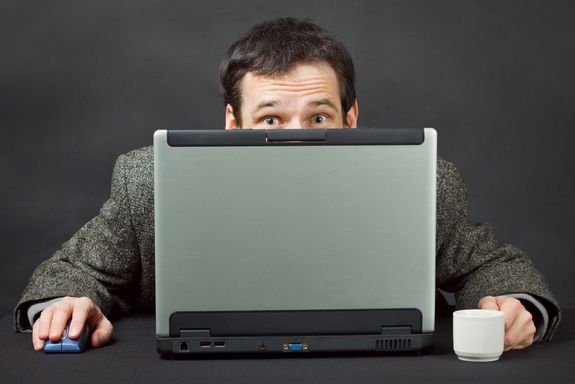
(283, 74)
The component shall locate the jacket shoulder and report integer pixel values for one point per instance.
(138, 158)
(451, 190)
(137, 167)
(447, 174)
(136, 171)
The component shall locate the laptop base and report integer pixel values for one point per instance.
(294, 344)
(295, 331)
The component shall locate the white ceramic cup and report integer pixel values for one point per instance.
(478, 334)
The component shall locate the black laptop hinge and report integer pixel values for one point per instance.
(300, 322)
(279, 137)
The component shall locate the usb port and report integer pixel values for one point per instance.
(219, 344)
(205, 344)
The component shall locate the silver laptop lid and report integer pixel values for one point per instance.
(254, 220)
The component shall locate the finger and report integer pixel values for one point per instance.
(83, 308)
(511, 308)
(521, 332)
(61, 316)
(527, 339)
(525, 344)
(102, 332)
(488, 302)
(45, 321)
(36, 342)
(512, 336)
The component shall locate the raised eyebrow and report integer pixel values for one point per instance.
(327, 102)
(266, 104)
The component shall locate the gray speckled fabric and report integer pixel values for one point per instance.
(111, 258)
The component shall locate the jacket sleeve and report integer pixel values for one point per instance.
(471, 263)
(101, 261)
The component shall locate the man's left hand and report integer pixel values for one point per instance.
(519, 326)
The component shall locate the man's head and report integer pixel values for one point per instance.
(287, 73)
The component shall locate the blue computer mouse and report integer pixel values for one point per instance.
(66, 344)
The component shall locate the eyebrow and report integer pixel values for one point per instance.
(316, 103)
(324, 101)
(265, 104)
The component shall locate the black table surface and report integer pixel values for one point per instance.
(132, 357)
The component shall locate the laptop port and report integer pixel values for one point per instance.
(262, 347)
(205, 344)
(295, 347)
(219, 344)
(184, 347)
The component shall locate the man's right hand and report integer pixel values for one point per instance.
(82, 310)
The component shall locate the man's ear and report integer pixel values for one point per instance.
(352, 115)
(231, 122)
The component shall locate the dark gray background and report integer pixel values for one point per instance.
(84, 81)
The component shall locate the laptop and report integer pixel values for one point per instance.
(294, 241)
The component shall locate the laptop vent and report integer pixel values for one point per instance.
(393, 345)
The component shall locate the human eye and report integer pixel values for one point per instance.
(319, 119)
(270, 121)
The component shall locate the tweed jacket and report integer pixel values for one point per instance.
(111, 258)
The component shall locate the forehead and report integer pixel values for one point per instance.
(303, 80)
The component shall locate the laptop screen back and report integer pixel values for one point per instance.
(296, 226)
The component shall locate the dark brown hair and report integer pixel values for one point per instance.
(274, 47)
